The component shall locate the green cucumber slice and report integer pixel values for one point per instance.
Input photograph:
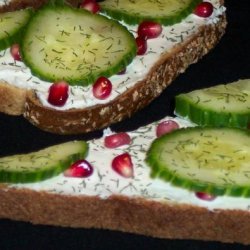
(41, 165)
(223, 105)
(211, 160)
(11, 26)
(166, 12)
(75, 45)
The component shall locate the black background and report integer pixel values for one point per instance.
(229, 61)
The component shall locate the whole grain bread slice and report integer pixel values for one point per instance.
(163, 219)
(82, 120)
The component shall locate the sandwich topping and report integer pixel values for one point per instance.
(122, 170)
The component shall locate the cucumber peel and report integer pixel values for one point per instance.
(42, 164)
(166, 12)
(210, 160)
(222, 105)
(75, 45)
(12, 25)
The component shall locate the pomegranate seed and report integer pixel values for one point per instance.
(205, 196)
(141, 45)
(80, 168)
(149, 29)
(58, 93)
(102, 88)
(166, 127)
(123, 165)
(204, 9)
(15, 52)
(90, 5)
(117, 140)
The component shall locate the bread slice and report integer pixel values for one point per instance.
(138, 204)
(144, 89)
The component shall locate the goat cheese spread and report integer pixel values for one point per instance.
(105, 182)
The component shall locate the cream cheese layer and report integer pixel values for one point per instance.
(105, 182)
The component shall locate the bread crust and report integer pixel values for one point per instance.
(12, 99)
(134, 215)
(76, 121)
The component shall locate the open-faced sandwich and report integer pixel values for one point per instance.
(72, 70)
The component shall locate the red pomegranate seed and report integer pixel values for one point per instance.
(80, 168)
(15, 52)
(123, 165)
(141, 45)
(205, 196)
(149, 29)
(117, 140)
(204, 9)
(90, 5)
(166, 127)
(102, 88)
(58, 93)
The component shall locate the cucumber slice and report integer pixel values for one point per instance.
(63, 43)
(166, 12)
(223, 105)
(211, 160)
(41, 165)
(11, 26)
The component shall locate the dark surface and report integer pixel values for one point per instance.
(228, 62)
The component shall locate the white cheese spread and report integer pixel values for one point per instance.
(105, 182)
